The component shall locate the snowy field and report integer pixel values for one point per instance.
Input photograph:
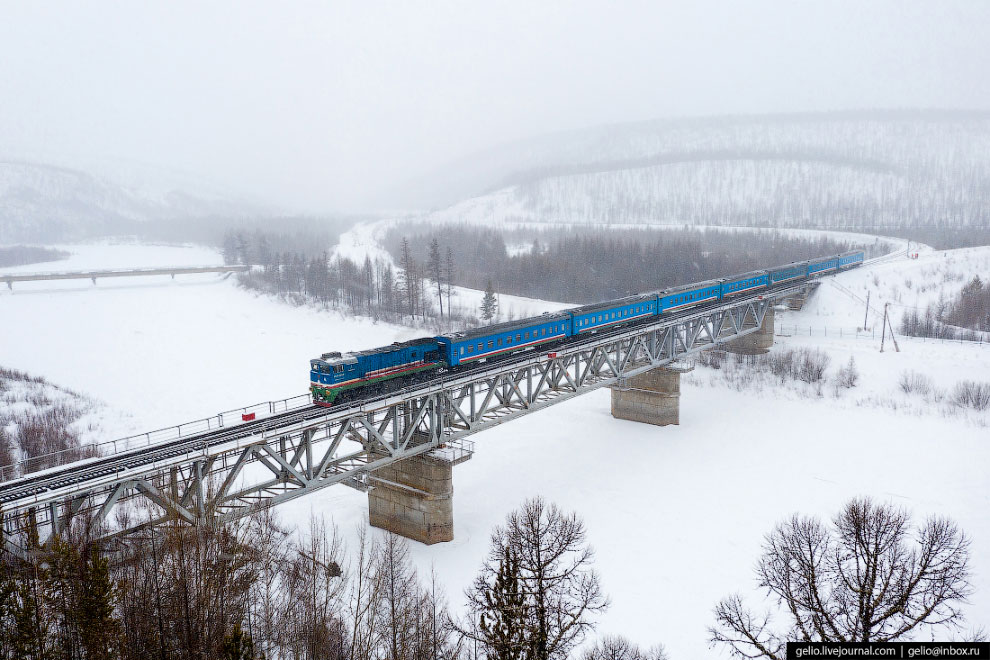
(676, 514)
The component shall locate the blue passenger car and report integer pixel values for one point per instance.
(744, 283)
(822, 267)
(851, 259)
(336, 372)
(795, 271)
(590, 318)
(686, 296)
(494, 340)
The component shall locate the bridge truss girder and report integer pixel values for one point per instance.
(231, 480)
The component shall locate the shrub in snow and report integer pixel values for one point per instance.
(912, 382)
(813, 364)
(849, 375)
(36, 424)
(971, 394)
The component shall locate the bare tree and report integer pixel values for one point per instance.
(435, 269)
(614, 647)
(864, 579)
(448, 275)
(553, 569)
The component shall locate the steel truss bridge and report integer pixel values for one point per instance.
(230, 472)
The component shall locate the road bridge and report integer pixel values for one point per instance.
(93, 275)
(398, 447)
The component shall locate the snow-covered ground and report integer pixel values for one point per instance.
(676, 514)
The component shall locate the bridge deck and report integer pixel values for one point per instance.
(10, 278)
(231, 471)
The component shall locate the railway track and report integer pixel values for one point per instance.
(100, 467)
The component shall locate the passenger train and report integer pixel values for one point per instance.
(381, 369)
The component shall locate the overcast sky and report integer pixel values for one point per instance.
(314, 106)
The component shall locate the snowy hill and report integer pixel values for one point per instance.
(46, 203)
(836, 170)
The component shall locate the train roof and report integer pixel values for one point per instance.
(790, 265)
(739, 276)
(688, 287)
(506, 326)
(608, 304)
(852, 252)
(351, 356)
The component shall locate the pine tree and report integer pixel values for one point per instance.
(30, 631)
(99, 630)
(503, 619)
(237, 645)
(489, 304)
(8, 603)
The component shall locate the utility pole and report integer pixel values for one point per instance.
(892, 337)
(866, 318)
(884, 337)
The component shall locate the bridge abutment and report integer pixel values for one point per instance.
(414, 498)
(755, 343)
(652, 397)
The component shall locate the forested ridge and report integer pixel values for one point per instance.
(590, 265)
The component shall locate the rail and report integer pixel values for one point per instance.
(221, 420)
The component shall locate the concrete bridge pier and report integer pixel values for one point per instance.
(796, 301)
(652, 397)
(414, 498)
(756, 343)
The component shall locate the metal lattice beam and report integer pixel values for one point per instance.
(224, 479)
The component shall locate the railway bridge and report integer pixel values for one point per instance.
(400, 448)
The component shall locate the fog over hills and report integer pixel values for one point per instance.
(42, 202)
(845, 170)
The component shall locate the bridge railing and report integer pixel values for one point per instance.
(221, 420)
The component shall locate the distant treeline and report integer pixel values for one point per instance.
(590, 265)
(299, 268)
(940, 237)
(22, 255)
(965, 317)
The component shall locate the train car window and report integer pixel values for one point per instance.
(543, 332)
(462, 350)
(499, 342)
(491, 344)
(518, 337)
(339, 369)
(471, 349)
(526, 335)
